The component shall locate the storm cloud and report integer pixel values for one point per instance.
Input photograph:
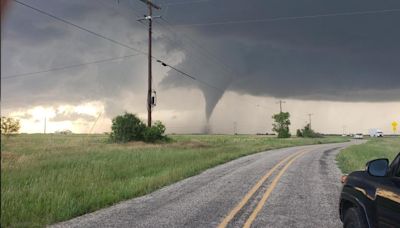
(274, 51)
(348, 57)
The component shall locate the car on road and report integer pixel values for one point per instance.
(358, 136)
(375, 133)
(371, 198)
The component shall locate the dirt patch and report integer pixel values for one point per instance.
(9, 156)
(185, 144)
(191, 144)
(143, 145)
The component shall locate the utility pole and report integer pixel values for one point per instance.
(309, 117)
(44, 128)
(280, 102)
(149, 18)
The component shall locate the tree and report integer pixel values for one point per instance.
(126, 128)
(307, 132)
(155, 132)
(9, 126)
(281, 125)
(129, 127)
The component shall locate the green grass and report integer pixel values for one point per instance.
(355, 157)
(51, 178)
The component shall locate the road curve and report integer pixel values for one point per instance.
(252, 191)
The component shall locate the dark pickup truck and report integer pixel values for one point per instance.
(371, 198)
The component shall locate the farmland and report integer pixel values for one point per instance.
(355, 157)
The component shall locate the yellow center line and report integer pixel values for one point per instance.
(249, 194)
(260, 204)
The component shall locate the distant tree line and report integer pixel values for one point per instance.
(281, 127)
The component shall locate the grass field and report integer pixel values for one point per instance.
(51, 178)
(355, 157)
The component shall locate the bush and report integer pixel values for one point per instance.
(154, 133)
(9, 126)
(127, 127)
(307, 132)
(299, 133)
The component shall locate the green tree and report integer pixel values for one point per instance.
(307, 132)
(154, 133)
(126, 128)
(9, 126)
(281, 125)
(129, 127)
(299, 133)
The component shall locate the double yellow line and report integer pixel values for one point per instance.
(290, 159)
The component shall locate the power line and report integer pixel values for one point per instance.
(202, 48)
(208, 54)
(174, 68)
(176, 3)
(289, 18)
(112, 40)
(80, 27)
(65, 67)
(178, 70)
(184, 2)
(190, 76)
(169, 28)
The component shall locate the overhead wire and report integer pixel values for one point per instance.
(35, 73)
(190, 76)
(289, 18)
(207, 53)
(107, 38)
(163, 63)
(184, 2)
(79, 27)
(200, 47)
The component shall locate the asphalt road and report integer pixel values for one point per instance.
(302, 192)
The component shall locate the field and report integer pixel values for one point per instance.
(355, 157)
(51, 178)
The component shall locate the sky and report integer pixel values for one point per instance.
(338, 60)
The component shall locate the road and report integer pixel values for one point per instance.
(291, 187)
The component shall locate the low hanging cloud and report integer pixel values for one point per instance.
(340, 58)
(72, 117)
(337, 58)
(34, 42)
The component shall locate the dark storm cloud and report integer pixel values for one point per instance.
(34, 42)
(344, 58)
(347, 58)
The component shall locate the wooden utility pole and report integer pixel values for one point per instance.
(44, 127)
(309, 116)
(280, 102)
(149, 18)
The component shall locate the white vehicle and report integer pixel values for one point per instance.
(358, 136)
(375, 133)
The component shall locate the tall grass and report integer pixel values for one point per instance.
(51, 178)
(355, 157)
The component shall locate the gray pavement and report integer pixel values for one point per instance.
(306, 195)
